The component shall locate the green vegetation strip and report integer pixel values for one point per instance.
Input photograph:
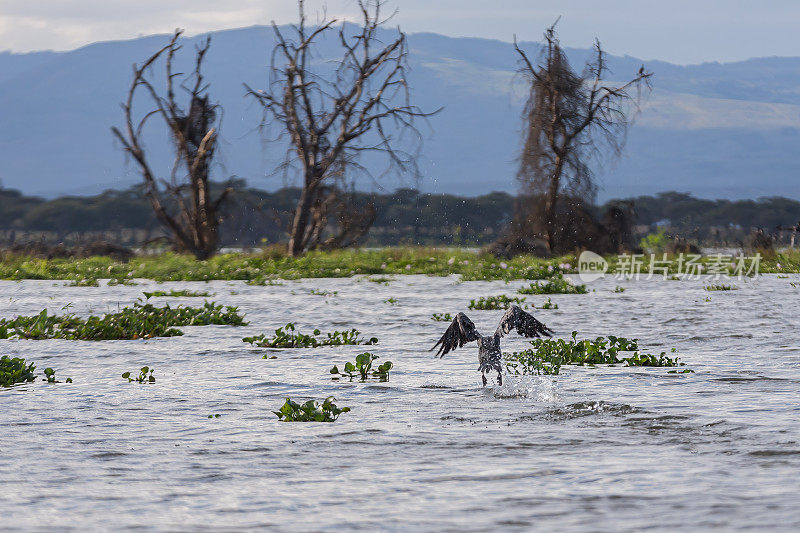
(264, 269)
(287, 337)
(138, 322)
(310, 411)
(548, 355)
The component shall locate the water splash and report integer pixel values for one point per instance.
(540, 389)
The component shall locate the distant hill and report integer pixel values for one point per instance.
(714, 130)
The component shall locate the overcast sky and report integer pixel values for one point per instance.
(680, 31)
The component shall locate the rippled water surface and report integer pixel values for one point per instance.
(593, 448)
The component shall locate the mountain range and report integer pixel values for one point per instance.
(715, 130)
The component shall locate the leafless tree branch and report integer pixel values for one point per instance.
(332, 118)
(571, 122)
(184, 206)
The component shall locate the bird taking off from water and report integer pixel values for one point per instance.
(462, 331)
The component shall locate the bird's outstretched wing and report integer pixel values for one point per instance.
(524, 323)
(460, 332)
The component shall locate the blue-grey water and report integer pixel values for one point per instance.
(603, 449)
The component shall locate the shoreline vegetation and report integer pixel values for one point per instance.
(270, 264)
(403, 216)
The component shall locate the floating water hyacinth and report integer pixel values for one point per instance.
(555, 285)
(548, 304)
(15, 370)
(491, 303)
(310, 411)
(183, 293)
(363, 366)
(721, 287)
(145, 376)
(141, 321)
(548, 355)
(287, 337)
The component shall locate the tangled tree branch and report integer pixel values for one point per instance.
(571, 121)
(182, 204)
(361, 104)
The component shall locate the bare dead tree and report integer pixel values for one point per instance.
(335, 112)
(571, 122)
(183, 204)
(347, 220)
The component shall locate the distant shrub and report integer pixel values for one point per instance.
(655, 242)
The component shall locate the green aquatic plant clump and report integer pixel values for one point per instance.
(145, 376)
(549, 305)
(86, 282)
(50, 376)
(183, 293)
(320, 292)
(121, 281)
(442, 317)
(492, 303)
(310, 411)
(548, 355)
(721, 287)
(263, 281)
(287, 337)
(138, 322)
(363, 366)
(15, 370)
(555, 285)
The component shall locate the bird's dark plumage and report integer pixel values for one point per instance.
(462, 330)
(525, 324)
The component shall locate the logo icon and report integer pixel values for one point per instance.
(591, 266)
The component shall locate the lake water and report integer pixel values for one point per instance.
(592, 449)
